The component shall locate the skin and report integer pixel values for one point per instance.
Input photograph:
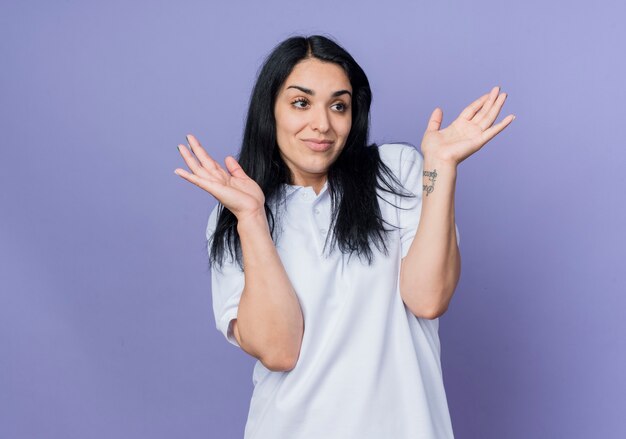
(312, 114)
(431, 269)
(269, 324)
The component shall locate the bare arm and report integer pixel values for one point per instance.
(431, 269)
(269, 323)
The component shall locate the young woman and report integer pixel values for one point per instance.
(328, 263)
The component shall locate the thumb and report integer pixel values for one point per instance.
(233, 167)
(434, 123)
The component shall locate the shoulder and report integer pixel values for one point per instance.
(399, 156)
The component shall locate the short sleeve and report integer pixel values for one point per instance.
(227, 285)
(411, 175)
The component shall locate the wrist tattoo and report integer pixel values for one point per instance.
(432, 175)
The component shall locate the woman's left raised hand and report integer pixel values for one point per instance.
(468, 133)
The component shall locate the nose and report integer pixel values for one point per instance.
(319, 120)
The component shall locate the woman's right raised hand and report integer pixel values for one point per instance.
(234, 189)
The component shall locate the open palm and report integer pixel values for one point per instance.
(234, 189)
(468, 133)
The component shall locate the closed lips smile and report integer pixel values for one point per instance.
(318, 145)
(318, 141)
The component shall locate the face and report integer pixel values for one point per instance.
(313, 105)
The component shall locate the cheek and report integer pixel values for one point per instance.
(295, 124)
(344, 126)
(288, 123)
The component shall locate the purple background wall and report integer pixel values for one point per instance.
(106, 327)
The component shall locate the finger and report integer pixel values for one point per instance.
(208, 185)
(203, 170)
(492, 115)
(434, 123)
(491, 132)
(204, 158)
(189, 159)
(472, 108)
(192, 178)
(220, 191)
(493, 95)
(233, 167)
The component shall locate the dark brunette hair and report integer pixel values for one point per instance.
(353, 178)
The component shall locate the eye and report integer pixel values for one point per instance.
(342, 107)
(299, 101)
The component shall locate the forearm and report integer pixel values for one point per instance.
(269, 318)
(431, 269)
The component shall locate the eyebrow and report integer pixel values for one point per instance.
(312, 93)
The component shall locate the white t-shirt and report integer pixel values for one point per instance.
(368, 368)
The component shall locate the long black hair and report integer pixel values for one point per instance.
(352, 178)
